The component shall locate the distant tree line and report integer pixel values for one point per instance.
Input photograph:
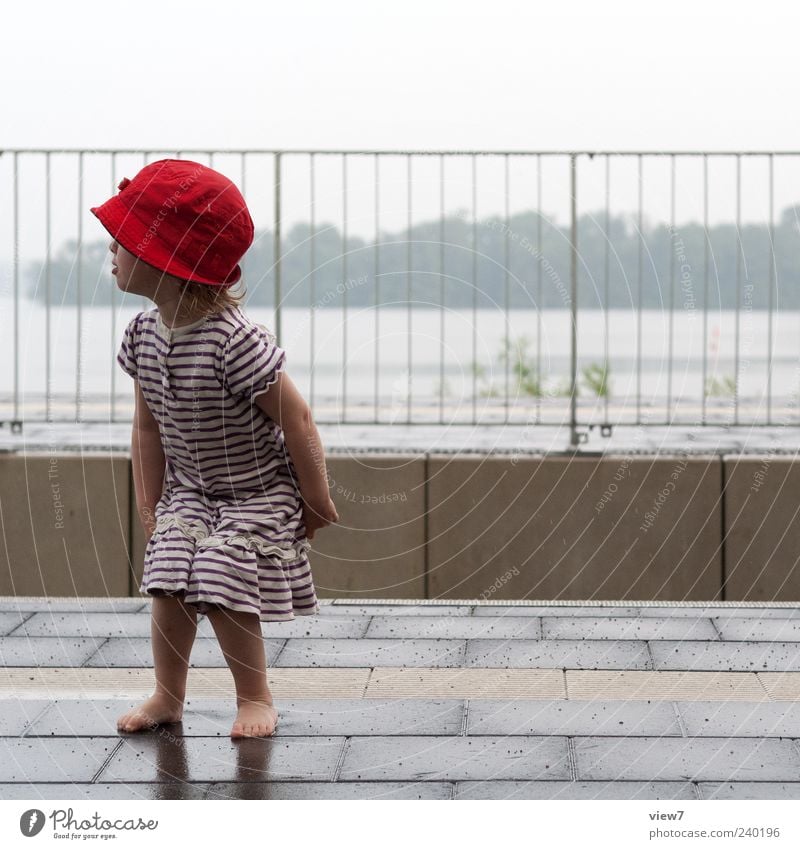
(523, 264)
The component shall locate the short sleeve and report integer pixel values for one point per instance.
(126, 356)
(253, 361)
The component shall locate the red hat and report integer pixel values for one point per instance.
(182, 218)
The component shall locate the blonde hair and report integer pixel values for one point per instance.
(201, 299)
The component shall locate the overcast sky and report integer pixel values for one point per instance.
(416, 74)
(494, 75)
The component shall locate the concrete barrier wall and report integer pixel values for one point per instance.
(452, 526)
(65, 521)
(762, 528)
(574, 528)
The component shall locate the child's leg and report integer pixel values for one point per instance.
(173, 628)
(242, 644)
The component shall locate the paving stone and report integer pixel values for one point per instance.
(710, 612)
(740, 719)
(17, 714)
(366, 790)
(297, 718)
(455, 758)
(722, 655)
(99, 605)
(140, 624)
(457, 627)
(103, 625)
(565, 654)
(47, 651)
(342, 653)
(749, 790)
(682, 759)
(544, 610)
(563, 718)
(145, 792)
(138, 652)
(395, 610)
(754, 630)
(318, 627)
(575, 790)
(81, 718)
(626, 628)
(158, 755)
(10, 620)
(63, 759)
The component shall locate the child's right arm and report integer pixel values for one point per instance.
(147, 458)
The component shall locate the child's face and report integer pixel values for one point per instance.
(132, 275)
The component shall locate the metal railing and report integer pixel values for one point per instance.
(630, 278)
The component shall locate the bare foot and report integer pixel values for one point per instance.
(155, 710)
(257, 718)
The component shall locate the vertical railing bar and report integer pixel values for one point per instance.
(312, 263)
(605, 279)
(344, 287)
(506, 292)
(739, 246)
(441, 288)
(143, 301)
(705, 285)
(573, 407)
(474, 291)
(639, 303)
(670, 347)
(540, 307)
(276, 245)
(78, 289)
(772, 285)
(16, 286)
(113, 310)
(376, 264)
(408, 286)
(243, 172)
(48, 378)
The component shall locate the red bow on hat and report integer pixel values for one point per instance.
(123, 183)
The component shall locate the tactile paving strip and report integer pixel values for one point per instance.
(415, 682)
(41, 682)
(587, 684)
(407, 682)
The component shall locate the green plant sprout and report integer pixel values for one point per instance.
(596, 378)
(720, 388)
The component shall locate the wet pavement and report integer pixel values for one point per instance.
(453, 700)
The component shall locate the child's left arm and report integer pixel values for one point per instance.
(283, 403)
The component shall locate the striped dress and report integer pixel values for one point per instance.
(229, 526)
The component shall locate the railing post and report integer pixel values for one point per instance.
(277, 247)
(574, 436)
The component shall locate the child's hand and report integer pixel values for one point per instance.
(318, 515)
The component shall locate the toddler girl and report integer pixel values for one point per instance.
(228, 468)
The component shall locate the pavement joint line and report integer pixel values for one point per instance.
(337, 769)
(680, 720)
(107, 761)
(464, 719)
(572, 759)
(415, 682)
